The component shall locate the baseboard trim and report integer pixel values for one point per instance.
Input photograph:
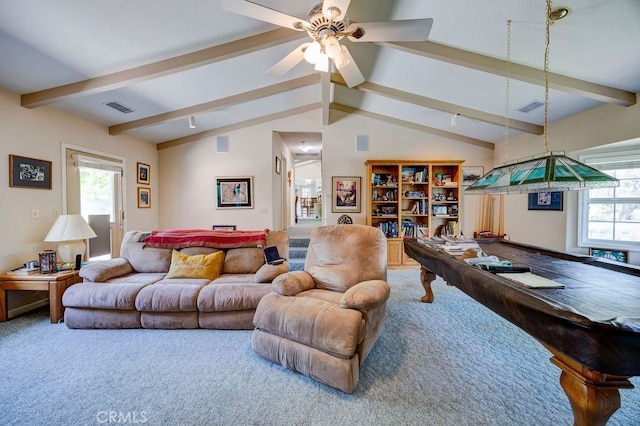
(28, 307)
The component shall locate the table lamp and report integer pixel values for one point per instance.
(70, 230)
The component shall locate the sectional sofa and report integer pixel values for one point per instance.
(177, 282)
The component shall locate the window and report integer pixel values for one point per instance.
(610, 217)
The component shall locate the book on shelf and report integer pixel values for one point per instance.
(24, 271)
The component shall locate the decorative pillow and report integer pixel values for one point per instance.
(199, 266)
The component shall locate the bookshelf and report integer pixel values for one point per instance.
(410, 199)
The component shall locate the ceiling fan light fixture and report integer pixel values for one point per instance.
(323, 63)
(304, 147)
(312, 52)
(336, 52)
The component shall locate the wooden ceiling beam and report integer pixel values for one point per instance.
(249, 96)
(377, 89)
(239, 125)
(161, 68)
(520, 72)
(411, 125)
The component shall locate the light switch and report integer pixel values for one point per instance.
(35, 214)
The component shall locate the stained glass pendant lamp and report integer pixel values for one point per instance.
(550, 171)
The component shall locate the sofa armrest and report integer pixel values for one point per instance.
(366, 295)
(104, 270)
(292, 283)
(267, 273)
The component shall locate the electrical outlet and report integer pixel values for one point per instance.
(35, 214)
(56, 213)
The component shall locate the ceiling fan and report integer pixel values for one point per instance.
(326, 24)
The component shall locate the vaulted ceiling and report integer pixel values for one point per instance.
(168, 60)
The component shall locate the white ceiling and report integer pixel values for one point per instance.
(47, 44)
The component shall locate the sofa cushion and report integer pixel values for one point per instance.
(104, 270)
(139, 278)
(243, 260)
(196, 266)
(120, 296)
(231, 297)
(171, 295)
(141, 258)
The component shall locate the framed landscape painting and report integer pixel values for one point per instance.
(235, 192)
(27, 172)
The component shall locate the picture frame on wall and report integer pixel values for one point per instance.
(345, 194)
(144, 172)
(25, 172)
(234, 192)
(548, 200)
(470, 174)
(144, 198)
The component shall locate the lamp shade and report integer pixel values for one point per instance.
(70, 227)
(549, 172)
(70, 230)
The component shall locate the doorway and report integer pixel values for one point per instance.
(94, 189)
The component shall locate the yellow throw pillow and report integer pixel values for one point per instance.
(199, 266)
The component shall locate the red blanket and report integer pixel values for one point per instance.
(180, 238)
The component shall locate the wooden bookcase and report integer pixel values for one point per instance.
(407, 198)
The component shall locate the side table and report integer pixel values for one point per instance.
(54, 284)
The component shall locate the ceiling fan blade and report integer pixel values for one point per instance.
(407, 30)
(288, 62)
(263, 13)
(350, 72)
(341, 5)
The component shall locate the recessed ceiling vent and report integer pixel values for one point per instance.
(531, 106)
(117, 105)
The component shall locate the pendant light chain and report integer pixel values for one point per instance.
(507, 94)
(546, 78)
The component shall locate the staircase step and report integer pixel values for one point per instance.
(298, 242)
(297, 253)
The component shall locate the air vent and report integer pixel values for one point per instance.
(117, 105)
(531, 106)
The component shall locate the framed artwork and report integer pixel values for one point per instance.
(550, 200)
(29, 173)
(143, 173)
(471, 174)
(278, 165)
(617, 255)
(144, 198)
(224, 227)
(235, 192)
(345, 194)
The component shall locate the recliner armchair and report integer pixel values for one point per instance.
(323, 321)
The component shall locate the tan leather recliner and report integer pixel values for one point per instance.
(324, 321)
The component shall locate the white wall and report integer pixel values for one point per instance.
(39, 133)
(189, 172)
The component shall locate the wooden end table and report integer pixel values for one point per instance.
(53, 284)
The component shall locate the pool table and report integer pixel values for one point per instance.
(591, 326)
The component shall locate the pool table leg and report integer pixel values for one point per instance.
(594, 396)
(426, 277)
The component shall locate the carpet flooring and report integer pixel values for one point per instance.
(452, 362)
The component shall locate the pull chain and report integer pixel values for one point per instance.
(546, 78)
(507, 94)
